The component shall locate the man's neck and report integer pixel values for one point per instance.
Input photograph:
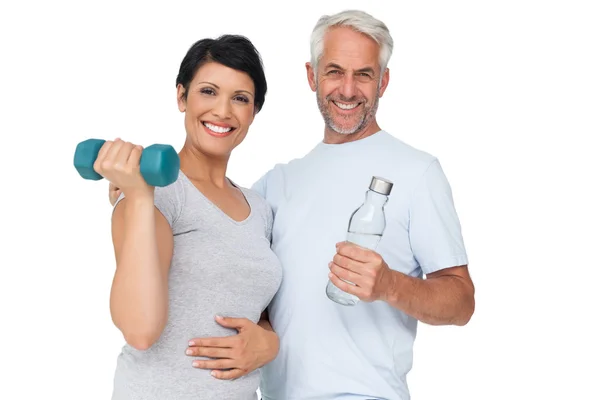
(332, 137)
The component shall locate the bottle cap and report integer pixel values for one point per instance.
(381, 185)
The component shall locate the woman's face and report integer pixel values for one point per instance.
(219, 109)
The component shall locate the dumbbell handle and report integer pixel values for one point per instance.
(159, 163)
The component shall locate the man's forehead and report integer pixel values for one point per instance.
(347, 38)
(349, 49)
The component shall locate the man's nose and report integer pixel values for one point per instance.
(348, 88)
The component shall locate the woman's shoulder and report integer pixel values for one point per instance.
(254, 197)
(258, 204)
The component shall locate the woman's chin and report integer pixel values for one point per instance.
(215, 150)
(213, 147)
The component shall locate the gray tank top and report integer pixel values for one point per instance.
(219, 267)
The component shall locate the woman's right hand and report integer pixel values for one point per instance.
(119, 163)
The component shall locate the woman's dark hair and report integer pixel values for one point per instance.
(233, 51)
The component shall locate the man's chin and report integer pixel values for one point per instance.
(340, 131)
(344, 129)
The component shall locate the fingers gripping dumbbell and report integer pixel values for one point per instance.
(159, 163)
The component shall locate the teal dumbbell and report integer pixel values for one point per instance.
(159, 163)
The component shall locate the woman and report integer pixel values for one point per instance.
(196, 249)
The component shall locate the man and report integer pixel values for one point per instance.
(326, 350)
(329, 351)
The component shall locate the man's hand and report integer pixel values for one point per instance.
(365, 268)
(446, 297)
(241, 354)
(113, 193)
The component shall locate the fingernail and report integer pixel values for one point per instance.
(330, 275)
(188, 352)
(213, 373)
(196, 364)
(218, 317)
(191, 343)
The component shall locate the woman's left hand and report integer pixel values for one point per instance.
(237, 355)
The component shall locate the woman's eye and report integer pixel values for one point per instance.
(241, 98)
(207, 91)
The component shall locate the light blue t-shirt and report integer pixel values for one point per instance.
(329, 351)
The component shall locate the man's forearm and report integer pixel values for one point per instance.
(443, 300)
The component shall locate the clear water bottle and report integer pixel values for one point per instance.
(365, 229)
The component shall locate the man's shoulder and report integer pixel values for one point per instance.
(403, 152)
(273, 183)
(279, 169)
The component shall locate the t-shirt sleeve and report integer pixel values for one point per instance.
(269, 222)
(434, 229)
(260, 186)
(168, 200)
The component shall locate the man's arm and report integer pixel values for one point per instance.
(446, 297)
(234, 356)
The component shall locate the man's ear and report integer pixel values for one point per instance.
(310, 75)
(385, 79)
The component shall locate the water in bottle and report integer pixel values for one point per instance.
(365, 228)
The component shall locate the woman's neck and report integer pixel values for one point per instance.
(201, 167)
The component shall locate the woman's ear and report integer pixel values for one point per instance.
(181, 96)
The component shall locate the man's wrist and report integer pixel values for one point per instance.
(392, 290)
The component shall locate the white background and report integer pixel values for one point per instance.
(505, 93)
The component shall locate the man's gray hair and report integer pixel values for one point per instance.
(359, 21)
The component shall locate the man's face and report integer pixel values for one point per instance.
(349, 82)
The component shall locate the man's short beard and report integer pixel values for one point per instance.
(367, 117)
